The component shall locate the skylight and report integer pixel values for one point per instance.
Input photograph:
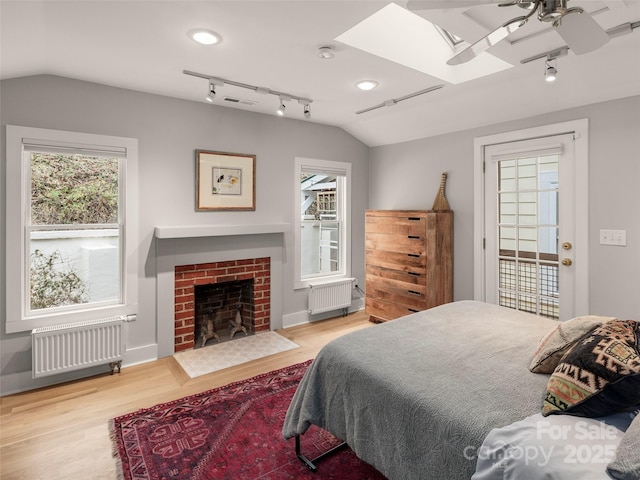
(403, 37)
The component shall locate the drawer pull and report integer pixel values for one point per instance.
(416, 237)
(413, 292)
(414, 274)
(414, 219)
(414, 255)
(412, 310)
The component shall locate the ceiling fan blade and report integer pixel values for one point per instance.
(413, 5)
(581, 32)
(490, 40)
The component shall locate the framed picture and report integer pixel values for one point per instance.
(225, 181)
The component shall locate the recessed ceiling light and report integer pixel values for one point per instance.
(367, 84)
(205, 37)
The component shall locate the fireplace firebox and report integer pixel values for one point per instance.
(220, 301)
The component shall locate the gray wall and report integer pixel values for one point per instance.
(407, 175)
(397, 176)
(168, 131)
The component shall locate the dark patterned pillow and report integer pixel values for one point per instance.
(599, 375)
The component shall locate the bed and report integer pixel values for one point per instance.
(417, 407)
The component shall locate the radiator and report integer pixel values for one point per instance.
(65, 348)
(327, 296)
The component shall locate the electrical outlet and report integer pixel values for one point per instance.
(613, 237)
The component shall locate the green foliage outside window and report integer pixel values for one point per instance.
(67, 189)
(73, 189)
(51, 285)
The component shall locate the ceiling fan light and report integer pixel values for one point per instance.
(527, 4)
(554, 11)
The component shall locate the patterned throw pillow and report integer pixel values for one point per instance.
(555, 344)
(599, 375)
(626, 464)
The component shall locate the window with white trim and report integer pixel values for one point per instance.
(70, 227)
(323, 230)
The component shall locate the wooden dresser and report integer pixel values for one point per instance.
(408, 261)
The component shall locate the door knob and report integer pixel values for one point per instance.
(566, 262)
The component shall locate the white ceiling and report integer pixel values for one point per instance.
(143, 45)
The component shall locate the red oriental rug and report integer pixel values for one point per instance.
(232, 432)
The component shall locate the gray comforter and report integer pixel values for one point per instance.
(416, 397)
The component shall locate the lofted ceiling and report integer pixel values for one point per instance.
(143, 45)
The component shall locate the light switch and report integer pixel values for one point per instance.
(613, 237)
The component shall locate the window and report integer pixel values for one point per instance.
(528, 225)
(68, 239)
(323, 229)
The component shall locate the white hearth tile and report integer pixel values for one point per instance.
(200, 361)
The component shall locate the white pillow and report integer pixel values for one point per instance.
(562, 447)
(557, 341)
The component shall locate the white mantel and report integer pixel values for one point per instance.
(194, 231)
(186, 245)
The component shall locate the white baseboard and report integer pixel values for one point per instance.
(23, 381)
(138, 355)
(293, 319)
(300, 318)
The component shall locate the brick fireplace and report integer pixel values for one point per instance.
(188, 277)
(185, 246)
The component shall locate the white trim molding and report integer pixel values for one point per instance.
(580, 130)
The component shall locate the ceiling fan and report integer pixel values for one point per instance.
(576, 27)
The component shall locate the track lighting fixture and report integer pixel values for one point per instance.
(550, 73)
(284, 97)
(393, 101)
(212, 93)
(213, 83)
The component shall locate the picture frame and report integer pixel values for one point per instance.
(225, 181)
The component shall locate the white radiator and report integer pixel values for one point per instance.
(65, 348)
(327, 296)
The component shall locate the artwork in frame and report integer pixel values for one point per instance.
(225, 181)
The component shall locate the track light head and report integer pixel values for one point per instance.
(281, 109)
(550, 76)
(550, 73)
(307, 111)
(212, 93)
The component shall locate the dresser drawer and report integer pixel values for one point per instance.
(385, 311)
(408, 224)
(410, 280)
(407, 244)
(400, 293)
(408, 262)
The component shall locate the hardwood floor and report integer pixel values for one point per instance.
(61, 432)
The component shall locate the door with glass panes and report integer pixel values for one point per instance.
(530, 225)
